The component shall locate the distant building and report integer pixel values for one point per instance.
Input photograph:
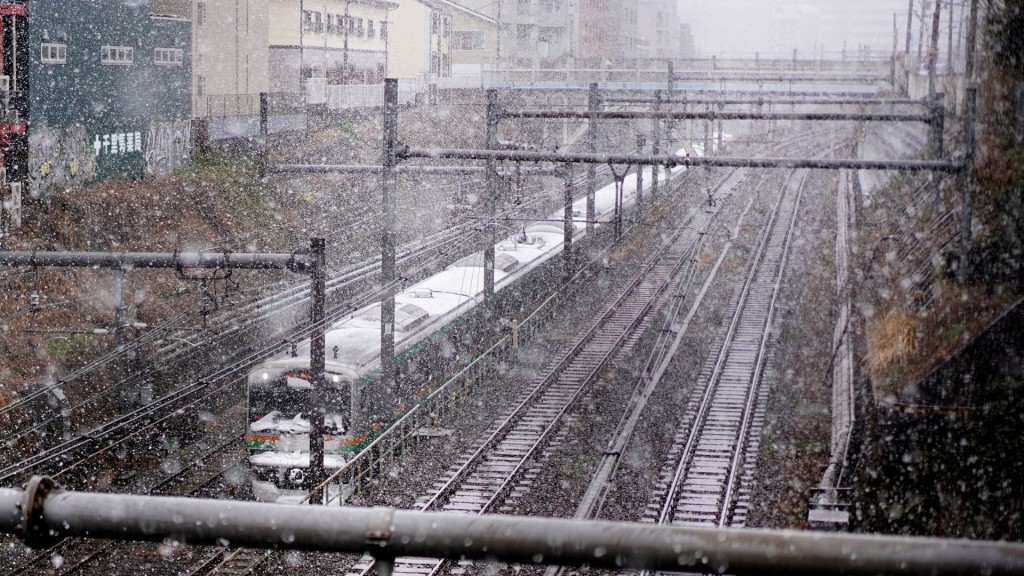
(608, 33)
(108, 90)
(344, 41)
(424, 52)
(531, 33)
(658, 28)
(232, 56)
(474, 40)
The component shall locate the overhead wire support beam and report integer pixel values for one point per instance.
(673, 160)
(130, 260)
(418, 170)
(41, 514)
(717, 115)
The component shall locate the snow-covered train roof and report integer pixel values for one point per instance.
(426, 306)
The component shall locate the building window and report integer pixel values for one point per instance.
(168, 56)
(447, 27)
(383, 30)
(330, 23)
(433, 23)
(359, 27)
(201, 85)
(318, 22)
(351, 25)
(53, 53)
(468, 40)
(307, 20)
(370, 32)
(435, 63)
(120, 55)
(201, 13)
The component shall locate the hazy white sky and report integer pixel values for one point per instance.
(776, 27)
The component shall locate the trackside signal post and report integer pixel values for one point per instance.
(389, 160)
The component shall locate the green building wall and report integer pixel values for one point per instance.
(91, 120)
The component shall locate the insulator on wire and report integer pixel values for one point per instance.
(34, 301)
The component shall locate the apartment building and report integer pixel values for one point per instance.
(231, 56)
(108, 89)
(474, 40)
(425, 52)
(345, 41)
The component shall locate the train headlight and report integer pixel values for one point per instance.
(335, 379)
(266, 376)
(296, 475)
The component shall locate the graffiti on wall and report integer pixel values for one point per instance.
(59, 159)
(168, 146)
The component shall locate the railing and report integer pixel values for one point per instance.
(316, 91)
(226, 105)
(42, 514)
(345, 96)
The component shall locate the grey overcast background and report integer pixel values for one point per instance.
(776, 27)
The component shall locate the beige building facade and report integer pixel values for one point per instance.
(424, 52)
(474, 40)
(230, 56)
(345, 41)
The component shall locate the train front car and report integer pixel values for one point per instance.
(277, 425)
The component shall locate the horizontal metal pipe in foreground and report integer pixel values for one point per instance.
(386, 532)
(713, 115)
(672, 160)
(127, 260)
(409, 169)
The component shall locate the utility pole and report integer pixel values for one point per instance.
(567, 263)
(970, 109)
(656, 144)
(491, 141)
(640, 143)
(593, 105)
(933, 50)
(317, 366)
(910, 26)
(387, 265)
(949, 44)
(920, 34)
(261, 164)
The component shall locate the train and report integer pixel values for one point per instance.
(437, 327)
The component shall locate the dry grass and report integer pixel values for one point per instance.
(890, 340)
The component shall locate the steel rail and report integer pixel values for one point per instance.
(710, 391)
(93, 549)
(748, 410)
(42, 512)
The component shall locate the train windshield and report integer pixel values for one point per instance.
(280, 402)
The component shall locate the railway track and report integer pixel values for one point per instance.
(486, 476)
(207, 465)
(712, 457)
